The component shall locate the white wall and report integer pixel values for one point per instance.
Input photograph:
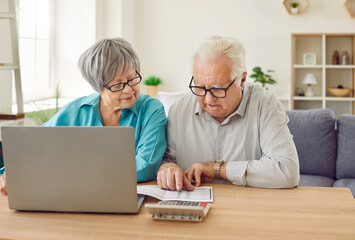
(165, 34)
(75, 31)
(168, 31)
(78, 25)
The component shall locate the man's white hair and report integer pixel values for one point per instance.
(217, 46)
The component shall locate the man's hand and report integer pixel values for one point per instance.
(171, 176)
(200, 172)
(3, 188)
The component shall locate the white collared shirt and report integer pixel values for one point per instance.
(254, 140)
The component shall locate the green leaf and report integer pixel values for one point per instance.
(42, 116)
(257, 69)
(152, 81)
(261, 77)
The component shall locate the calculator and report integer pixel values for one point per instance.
(178, 210)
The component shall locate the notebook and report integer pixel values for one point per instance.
(71, 169)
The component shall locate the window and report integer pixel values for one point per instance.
(34, 19)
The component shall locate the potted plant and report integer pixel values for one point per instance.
(294, 7)
(152, 83)
(261, 77)
(42, 116)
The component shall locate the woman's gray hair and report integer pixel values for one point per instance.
(216, 46)
(99, 64)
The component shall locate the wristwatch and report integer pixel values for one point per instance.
(217, 167)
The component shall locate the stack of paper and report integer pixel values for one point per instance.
(200, 194)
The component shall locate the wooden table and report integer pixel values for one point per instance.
(237, 213)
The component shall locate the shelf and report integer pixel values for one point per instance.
(9, 67)
(350, 7)
(6, 15)
(350, 99)
(307, 43)
(326, 66)
(323, 45)
(303, 5)
(340, 66)
(300, 98)
(307, 66)
(12, 116)
(340, 43)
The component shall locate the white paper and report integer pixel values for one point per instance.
(200, 194)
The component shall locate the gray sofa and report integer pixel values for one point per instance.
(325, 146)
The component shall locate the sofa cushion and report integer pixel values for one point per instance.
(346, 182)
(345, 164)
(168, 99)
(315, 181)
(315, 139)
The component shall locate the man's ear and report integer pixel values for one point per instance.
(244, 78)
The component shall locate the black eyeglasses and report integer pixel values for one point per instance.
(216, 92)
(120, 86)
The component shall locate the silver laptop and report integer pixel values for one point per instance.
(71, 169)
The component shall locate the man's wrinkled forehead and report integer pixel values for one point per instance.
(218, 70)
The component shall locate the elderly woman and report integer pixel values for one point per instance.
(112, 67)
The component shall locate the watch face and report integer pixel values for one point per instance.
(309, 59)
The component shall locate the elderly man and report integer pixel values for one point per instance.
(227, 129)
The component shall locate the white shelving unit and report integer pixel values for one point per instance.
(14, 66)
(328, 75)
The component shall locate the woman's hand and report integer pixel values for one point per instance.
(3, 188)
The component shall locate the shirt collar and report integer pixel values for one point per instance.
(198, 108)
(94, 101)
(244, 103)
(90, 100)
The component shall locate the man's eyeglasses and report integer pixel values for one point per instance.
(216, 92)
(120, 86)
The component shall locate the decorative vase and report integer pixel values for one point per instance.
(345, 60)
(152, 90)
(335, 58)
(294, 10)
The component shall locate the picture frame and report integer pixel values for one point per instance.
(309, 59)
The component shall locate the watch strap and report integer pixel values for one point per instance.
(217, 168)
